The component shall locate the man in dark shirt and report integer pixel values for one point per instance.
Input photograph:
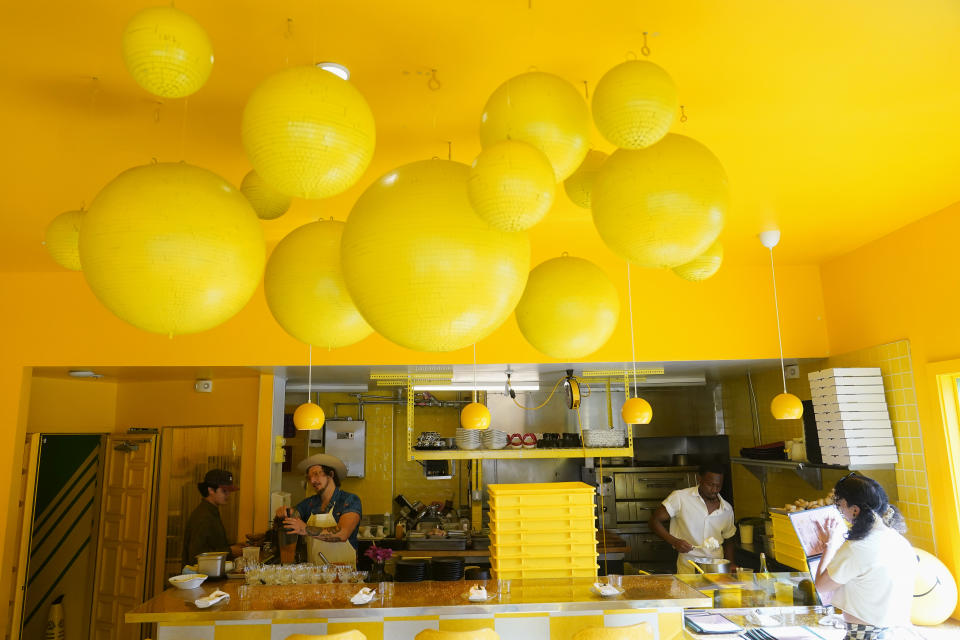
(204, 531)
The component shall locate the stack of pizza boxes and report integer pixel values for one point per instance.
(853, 423)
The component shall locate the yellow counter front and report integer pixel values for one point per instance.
(544, 610)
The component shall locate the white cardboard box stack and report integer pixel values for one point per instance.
(852, 420)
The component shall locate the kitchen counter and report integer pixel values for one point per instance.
(610, 544)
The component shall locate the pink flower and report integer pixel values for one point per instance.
(378, 554)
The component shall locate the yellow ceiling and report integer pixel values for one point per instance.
(836, 120)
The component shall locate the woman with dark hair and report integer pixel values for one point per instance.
(868, 569)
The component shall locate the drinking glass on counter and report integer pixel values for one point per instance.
(615, 580)
(386, 590)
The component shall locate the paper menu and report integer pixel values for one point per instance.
(805, 524)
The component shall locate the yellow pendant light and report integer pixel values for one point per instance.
(475, 415)
(785, 406)
(635, 410)
(309, 416)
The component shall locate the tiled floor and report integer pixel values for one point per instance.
(949, 630)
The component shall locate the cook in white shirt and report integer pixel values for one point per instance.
(696, 515)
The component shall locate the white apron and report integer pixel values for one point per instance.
(332, 552)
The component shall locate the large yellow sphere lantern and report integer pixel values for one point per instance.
(267, 202)
(475, 416)
(569, 308)
(171, 248)
(308, 133)
(786, 406)
(305, 291)
(703, 266)
(308, 416)
(579, 186)
(543, 110)
(511, 185)
(934, 591)
(425, 271)
(62, 237)
(634, 104)
(167, 52)
(636, 411)
(662, 206)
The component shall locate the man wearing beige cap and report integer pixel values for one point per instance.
(328, 518)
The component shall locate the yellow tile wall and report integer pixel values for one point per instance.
(912, 495)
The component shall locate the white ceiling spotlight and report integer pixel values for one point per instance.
(85, 373)
(770, 238)
(336, 69)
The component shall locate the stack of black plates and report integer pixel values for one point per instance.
(411, 570)
(447, 569)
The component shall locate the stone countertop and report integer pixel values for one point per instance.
(332, 601)
(611, 543)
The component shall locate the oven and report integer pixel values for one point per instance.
(627, 498)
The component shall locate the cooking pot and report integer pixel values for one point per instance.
(212, 563)
(711, 565)
(681, 459)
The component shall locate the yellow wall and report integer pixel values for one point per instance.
(60, 405)
(905, 286)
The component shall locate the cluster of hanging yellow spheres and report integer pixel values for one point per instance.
(703, 266)
(265, 200)
(511, 185)
(171, 248)
(579, 186)
(62, 238)
(569, 308)
(448, 279)
(167, 52)
(305, 291)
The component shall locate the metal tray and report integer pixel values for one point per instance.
(438, 544)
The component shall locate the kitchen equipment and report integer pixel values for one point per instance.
(212, 563)
(711, 565)
(346, 439)
(571, 390)
(681, 459)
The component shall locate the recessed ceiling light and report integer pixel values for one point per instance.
(336, 69)
(85, 373)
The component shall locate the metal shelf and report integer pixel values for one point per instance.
(521, 454)
(809, 472)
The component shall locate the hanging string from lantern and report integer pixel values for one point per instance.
(645, 50)
(474, 371)
(776, 306)
(183, 130)
(433, 83)
(683, 116)
(450, 157)
(309, 370)
(586, 90)
(288, 36)
(633, 348)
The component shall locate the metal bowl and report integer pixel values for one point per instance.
(712, 565)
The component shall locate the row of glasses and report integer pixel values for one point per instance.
(304, 573)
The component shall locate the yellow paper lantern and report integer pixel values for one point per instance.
(167, 52)
(662, 206)
(543, 110)
(308, 133)
(61, 238)
(580, 185)
(703, 266)
(308, 416)
(475, 416)
(569, 308)
(634, 104)
(636, 411)
(171, 248)
(267, 202)
(934, 591)
(425, 271)
(786, 406)
(511, 185)
(305, 291)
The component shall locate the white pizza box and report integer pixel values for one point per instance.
(852, 460)
(853, 416)
(845, 389)
(842, 449)
(828, 397)
(827, 434)
(849, 381)
(850, 406)
(881, 441)
(844, 372)
(827, 421)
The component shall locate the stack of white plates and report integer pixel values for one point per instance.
(468, 438)
(494, 439)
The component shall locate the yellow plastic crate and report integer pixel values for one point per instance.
(540, 494)
(538, 525)
(539, 574)
(787, 548)
(584, 512)
(534, 549)
(518, 563)
(539, 488)
(560, 536)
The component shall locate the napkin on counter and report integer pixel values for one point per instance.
(762, 620)
(605, 589)
(363, 596)
(211, 599)
(477, 593)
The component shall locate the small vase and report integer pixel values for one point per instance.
(378, 574)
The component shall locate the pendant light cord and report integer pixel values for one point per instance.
(309, 370)
(474, 371)
(633, 348)
(776, 306)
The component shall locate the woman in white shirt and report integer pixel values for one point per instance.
(867, 570)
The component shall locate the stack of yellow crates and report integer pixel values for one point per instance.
(542, 530)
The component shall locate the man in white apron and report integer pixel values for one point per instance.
(328, 518)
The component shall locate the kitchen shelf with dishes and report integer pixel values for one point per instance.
(809, 472)
(520, 454)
